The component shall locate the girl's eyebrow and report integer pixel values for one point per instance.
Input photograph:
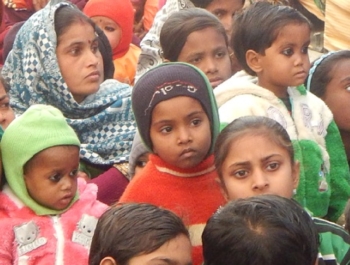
(245, 163)
(345, 80)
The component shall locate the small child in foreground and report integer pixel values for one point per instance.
(47, 214)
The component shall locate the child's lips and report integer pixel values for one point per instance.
(187, 153)
(215, 81)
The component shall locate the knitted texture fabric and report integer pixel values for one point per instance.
(104, 121)
(193, 194)
(121, 12)
(39, 128)
(167, 81)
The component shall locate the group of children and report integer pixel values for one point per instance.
(278, 142)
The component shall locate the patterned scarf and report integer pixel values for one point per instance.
(104, 121)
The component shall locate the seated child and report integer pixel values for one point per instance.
(277, 53)
(47, 215)
(115, 18)
(264, 230)
(329, 80)
(138, 156)
(177, 119)
(267, 166)
(134, 234)
(150, 45)
(190, 27)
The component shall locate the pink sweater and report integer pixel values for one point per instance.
(41, 240)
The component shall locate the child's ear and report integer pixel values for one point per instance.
(253, 60)
(295, 173)
(108, 261)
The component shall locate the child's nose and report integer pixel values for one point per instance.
(211, 65)
(184, 136)
(260, 180)
(67, 183)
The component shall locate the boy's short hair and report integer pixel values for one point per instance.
(262, 230)
(127, 230)
(167, 81)
(257, 27)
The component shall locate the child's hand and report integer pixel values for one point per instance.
(82, 174)
(139, 30)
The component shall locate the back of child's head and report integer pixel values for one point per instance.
(320, 73)
(38, 128)
(262, 230)
(181, 24)
(128, 230)
(257, 27)
(122, 13)
(167, 81)
(250, 125)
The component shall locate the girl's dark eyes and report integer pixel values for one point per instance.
(287, 52)
(273, 166)
(196, 122)
(166, 129)
(110, 29)
(240, 173)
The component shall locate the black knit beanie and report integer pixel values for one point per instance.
(167, 81)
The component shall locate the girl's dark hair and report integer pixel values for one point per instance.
(262, 230)
(127, 230)
(321, 71)
(252, 125)
(65, 16)
(179, 25)
(257, 27)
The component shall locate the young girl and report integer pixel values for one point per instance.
(264, 230)
(116, 18)
(62, 67)
(190, 27)
(276, 52)
(47, 215)
(267, 166)
(133, 234)
(177, 119)
(150, 45)
(329, 79)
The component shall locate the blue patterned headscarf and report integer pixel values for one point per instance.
(104, 121)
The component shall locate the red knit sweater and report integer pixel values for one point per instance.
(193, 194)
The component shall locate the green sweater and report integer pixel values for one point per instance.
(334, 243)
